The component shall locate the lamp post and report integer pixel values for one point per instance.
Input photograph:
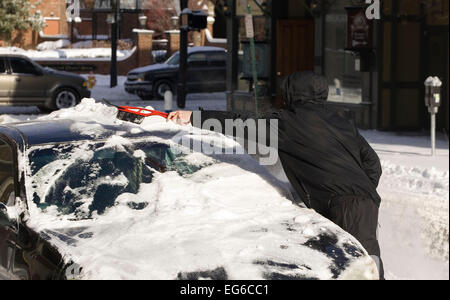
(115, 4)
(184, 30)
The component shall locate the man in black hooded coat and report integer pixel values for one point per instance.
(329, 164)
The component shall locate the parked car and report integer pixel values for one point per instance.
(206, 73)
(24, 82)
(79, 199)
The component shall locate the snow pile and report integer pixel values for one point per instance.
(414, 222)
(429, 194)
(50, 45)
(65, 53)
(87, 110)
(414, 214)
(426, 181)
(5, 119)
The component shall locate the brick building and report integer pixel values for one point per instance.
(93, 21)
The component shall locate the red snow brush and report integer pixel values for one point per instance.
(135, 114)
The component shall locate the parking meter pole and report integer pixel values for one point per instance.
(181, 89)
(433, 102)
(255, 71)
(433, 134)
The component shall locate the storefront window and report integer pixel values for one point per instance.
(340, 65)
(245, 63)
(261, 26)
(124, 4)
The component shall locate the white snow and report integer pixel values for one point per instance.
(414, 215)
(53, 45)
(56, 54)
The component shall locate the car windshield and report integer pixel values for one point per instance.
(84, 180)
(174, 60)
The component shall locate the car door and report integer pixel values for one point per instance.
(29, 83)
(7, 196)
(217, 71)
(197, 74)
(23, 252)
(7, 83)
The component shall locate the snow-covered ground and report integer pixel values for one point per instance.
(414, 216)
(56, 54)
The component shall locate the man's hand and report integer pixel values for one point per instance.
(180, 117)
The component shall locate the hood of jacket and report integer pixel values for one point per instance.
(304, 87)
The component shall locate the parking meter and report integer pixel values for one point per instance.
(433, 102)
(433, 94)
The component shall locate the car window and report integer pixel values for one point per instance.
(85, 180)
(21, 66)
(174, 59)
(6, 174)
(2, 65)
(197, 60)
(217, 59)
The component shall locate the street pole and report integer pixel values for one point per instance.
(433, 134)
(251, 36)
(181, 89)
(113, 71)
(72, 39)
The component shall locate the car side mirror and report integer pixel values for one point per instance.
(5, 221)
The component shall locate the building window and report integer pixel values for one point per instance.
(124, 4)
(261, 36)
(344, 81)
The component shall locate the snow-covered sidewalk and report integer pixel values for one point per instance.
(414, 216)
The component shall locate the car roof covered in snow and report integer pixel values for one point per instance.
(204, 49)
(64, 131)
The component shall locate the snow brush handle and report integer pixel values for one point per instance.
(142, 111)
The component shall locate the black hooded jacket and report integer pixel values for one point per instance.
(323, 155)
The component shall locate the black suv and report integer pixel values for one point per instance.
(206, 73)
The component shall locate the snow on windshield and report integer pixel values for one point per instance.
(133, 209)
(83, 180)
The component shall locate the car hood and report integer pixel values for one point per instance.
(153, 68)
(68, 75)
(149, 247)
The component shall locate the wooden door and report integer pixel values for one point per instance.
(295, 49)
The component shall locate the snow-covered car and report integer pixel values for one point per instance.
(114, 200)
